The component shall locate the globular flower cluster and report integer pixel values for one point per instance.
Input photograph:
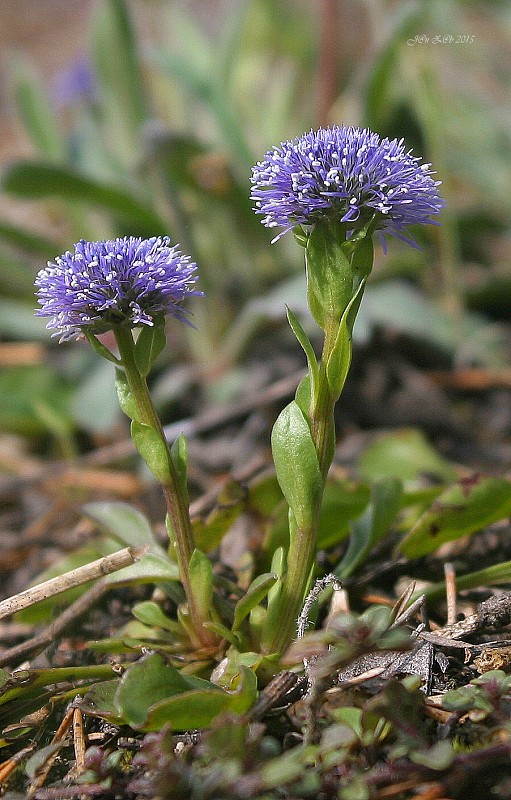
(127, 281)
(347, 174)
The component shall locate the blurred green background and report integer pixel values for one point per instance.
(144, 117)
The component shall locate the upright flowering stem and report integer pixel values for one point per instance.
(177, 507)
(334, 187)
(118, 285)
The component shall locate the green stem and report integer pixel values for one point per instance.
(300, 560)
(302, 541)
(177, 505)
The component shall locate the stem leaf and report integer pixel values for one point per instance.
(339, 361)
(153, 450)
(303, 339)
(296, 464)
(126, 400)
(99, 348)
(329, 273)
(150, 343)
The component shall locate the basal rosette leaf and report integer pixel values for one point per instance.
(463, 508)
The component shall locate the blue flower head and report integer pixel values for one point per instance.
(346, 174)
(127, 281)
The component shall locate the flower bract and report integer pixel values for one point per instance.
(127, 281)
(346, 174)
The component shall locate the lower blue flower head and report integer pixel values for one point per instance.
(346, 174)
(127, 281)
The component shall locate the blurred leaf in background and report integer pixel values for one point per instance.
(153, 126)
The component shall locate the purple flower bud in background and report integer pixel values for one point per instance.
(74, 84)
(125, 281)
(346, 174)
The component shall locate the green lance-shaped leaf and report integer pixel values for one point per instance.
(37, 179)
(36, 110)
(374, 523)
(153, 450)
(339, 361)
(150, 343)
(303, 395)
(151, 615)
(99, 348)
(363, 256)
(201, 579)
(119, 71)
(329, 273)
(308, 349)
(256, 592)
(296, 464)
(463, 508)
(122, 521)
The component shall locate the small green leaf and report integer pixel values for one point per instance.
(152, 693)
(99, 701)
(99, 348)
(367, 530)
(303, 396)
(153, 449)
(437, 757)
(131, 528)
(122, 521)
(296, 464)
(308, 349)
(363, 254)
(223, 633)
(256, 592)
(145, 683)
(151, 341)
(201, 579)
(199, 707)
(339, 361)
(37, 761)
(153, 567)
(151, 614)
(463, 508)
(126, 399)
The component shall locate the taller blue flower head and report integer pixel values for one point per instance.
(346, 174)
(127, 281)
